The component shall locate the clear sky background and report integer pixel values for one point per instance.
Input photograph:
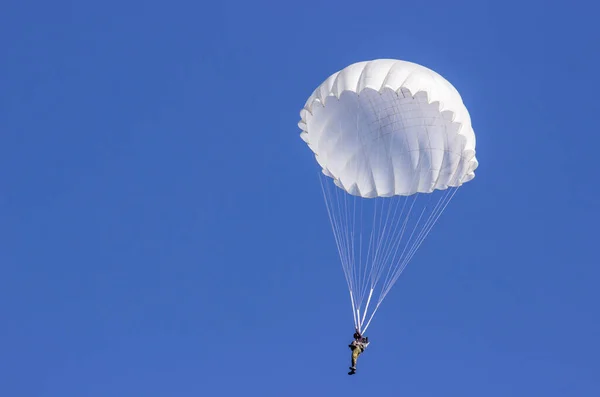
(163, 233)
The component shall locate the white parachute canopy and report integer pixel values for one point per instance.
(396, 141)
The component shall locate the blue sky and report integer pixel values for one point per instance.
(163, 231)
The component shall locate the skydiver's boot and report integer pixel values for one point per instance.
(352, 371)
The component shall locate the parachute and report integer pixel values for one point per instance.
(394, 142)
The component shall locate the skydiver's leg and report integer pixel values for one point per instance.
(355, 353)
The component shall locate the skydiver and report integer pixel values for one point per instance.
(358, 345)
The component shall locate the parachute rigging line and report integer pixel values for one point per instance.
(397, 228)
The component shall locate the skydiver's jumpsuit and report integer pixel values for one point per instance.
(357, 347)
